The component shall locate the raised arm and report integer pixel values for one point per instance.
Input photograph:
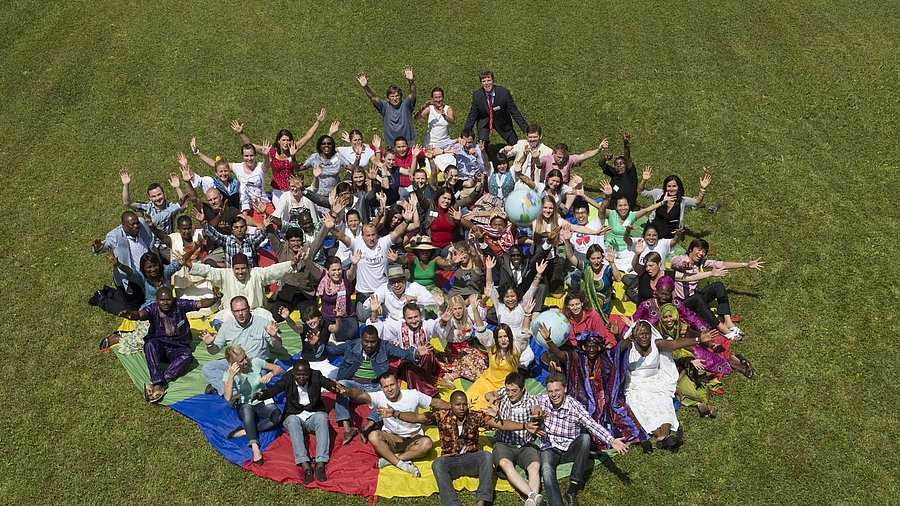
(646, 174)
(704, 184)
(594, 152)
(194, 149)
(353, 394)
(408, 74)
(364, 82)
(328, 221)
(649, 209)
(238, 128)
(611, 260)
(301, 142)
(554, 350)
(125, 176)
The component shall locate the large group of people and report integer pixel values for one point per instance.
(385, 245)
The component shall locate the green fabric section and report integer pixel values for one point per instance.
(193, 382)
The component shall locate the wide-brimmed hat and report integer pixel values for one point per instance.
(422, 242)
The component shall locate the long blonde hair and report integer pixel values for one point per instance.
(539, 224)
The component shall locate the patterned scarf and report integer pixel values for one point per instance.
(499, 240)
(410, 338)
(330, 288)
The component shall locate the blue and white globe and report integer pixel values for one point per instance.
(522, 207)
(558, 324)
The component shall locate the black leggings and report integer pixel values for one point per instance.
(699, 302)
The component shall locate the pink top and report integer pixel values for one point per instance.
(281, 170)
(682, 263)
(549, 162)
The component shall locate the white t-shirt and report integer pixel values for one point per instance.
(662, 246)
(410, 401)
(366, 155)
(371, 272)
(253, 185)
(581, 242)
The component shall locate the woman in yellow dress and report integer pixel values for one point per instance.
(502, 360)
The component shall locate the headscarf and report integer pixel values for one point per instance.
(673, 332)
(588, 336)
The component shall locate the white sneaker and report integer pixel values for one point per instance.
(538, 499)
(530, 500)
(410, 468)
(382, 463)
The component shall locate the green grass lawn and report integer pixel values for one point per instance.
(792, 106)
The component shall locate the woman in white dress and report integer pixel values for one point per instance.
(439, 116)
(652, 376)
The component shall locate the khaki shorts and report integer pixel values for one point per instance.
(399, 444)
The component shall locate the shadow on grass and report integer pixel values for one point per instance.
(611, 467)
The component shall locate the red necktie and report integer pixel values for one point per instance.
(490, 100)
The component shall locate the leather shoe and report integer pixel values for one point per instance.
(320, 472)
(307, 475)
(571, 499)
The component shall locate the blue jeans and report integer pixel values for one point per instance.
(577, 454)
(214, 372)
(317, 424)
(342, 405)
(269, 415)
(446, 469)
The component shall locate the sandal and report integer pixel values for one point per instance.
(105, 345)
(349, 435)
(364, 433)
(157, 396)
(750, 374)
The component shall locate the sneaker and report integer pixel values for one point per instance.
(534, 499)
(410, 468)
(382, 463)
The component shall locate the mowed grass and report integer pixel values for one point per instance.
(793, 107)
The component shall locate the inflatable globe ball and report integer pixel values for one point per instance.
(522, 207)
(558, 324)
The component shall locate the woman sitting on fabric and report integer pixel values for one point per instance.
(649, 310)
(336, 286)
(460, 322)
(151, 278)
(596, 377)
(620, 221)
(314, 334)
(583, 318)
(503, 358)
(469, 276)
(697, 365)
(651, 379)
(669, 218)
(249, 376)
(596, 277)
(424, 264)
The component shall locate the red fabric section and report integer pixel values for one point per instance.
(351, 469)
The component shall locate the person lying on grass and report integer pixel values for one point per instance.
(245, 378)
(168, 339)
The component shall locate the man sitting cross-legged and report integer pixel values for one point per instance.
(304, 411)
(398, 442)
(461, 454)
(364, 360)
(513, 448)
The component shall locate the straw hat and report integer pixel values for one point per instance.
(423, 242)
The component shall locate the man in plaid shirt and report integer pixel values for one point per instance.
(513, 448)
(238, 241)
(563, 438)
(461, 453)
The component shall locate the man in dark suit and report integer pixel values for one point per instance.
(493, 108)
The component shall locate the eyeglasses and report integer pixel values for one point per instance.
(397, 281)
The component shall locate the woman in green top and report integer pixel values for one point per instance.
(244, 378)
(424, 266)
(620, 222)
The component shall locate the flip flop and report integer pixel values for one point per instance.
(155, 400)
(104, 343)
(751, 374)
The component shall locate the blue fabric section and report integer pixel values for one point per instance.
(539, 371)
(216, 419)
